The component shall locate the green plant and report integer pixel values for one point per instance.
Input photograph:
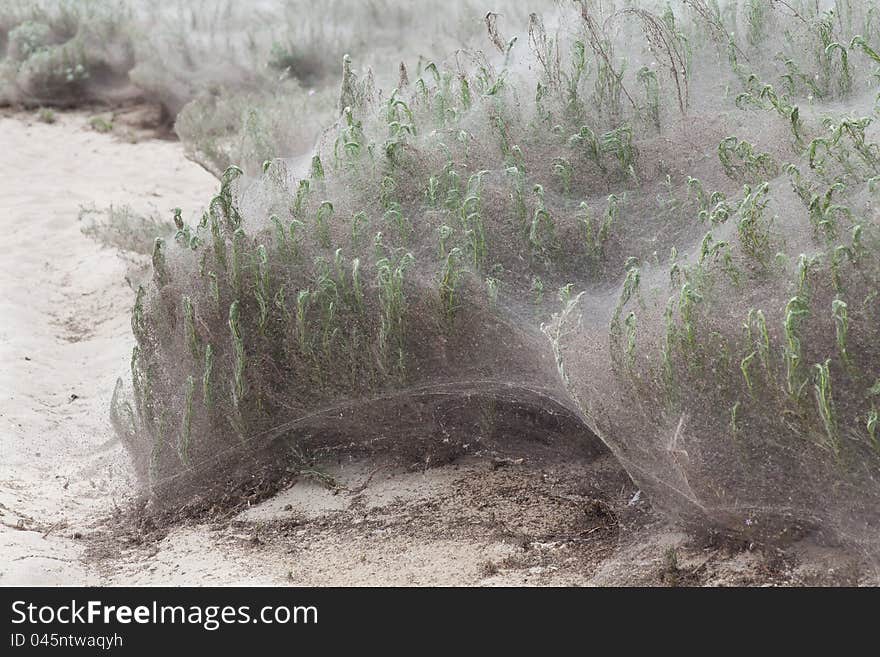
(374, 283)
(472, 219)
(563, 169)
(185, 439)
(46, 115)
(630, 324)
(392, 333)
(542, 231)
(753, 227)
(537, 289)
(687, 305)
(160, 269)
(119, 226)
(322, 223)
(795, 310)
(734, 416)
(238, 382)
(449, 277)
(825, 404)
(841, 323)
(652, 95)
(492, 288)
(100, 124)
(237, 268)
(189, 327)
(208, 378)
(871, 426)
(741, 161)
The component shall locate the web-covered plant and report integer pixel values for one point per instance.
(653, 221)
(228, 75)
(64, 53)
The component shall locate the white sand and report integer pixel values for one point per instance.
(64, 330)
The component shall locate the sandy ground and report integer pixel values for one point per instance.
(64, 331)
(65, 481)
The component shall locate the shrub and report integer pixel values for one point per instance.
(65, 52)
(122, 228)
(726, 376)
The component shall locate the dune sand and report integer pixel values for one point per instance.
(65, 480)
(64, 330)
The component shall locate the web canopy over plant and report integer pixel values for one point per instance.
(655, 225)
